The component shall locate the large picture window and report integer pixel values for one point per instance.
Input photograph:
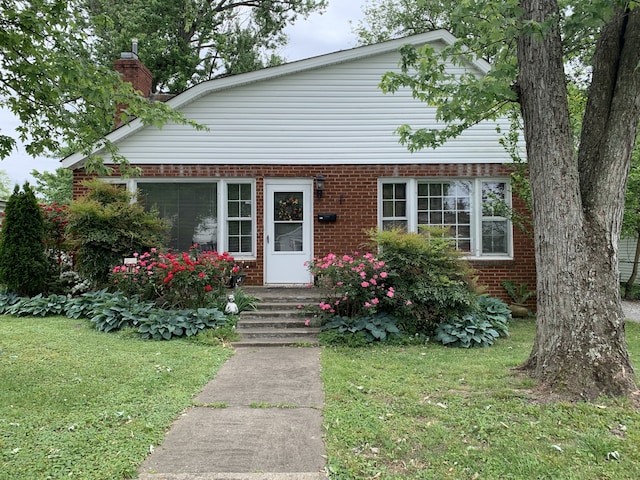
(216, 215)
(472, 210)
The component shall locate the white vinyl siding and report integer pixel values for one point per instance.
(333, 115)
(469, 208)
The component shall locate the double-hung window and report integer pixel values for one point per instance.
(471, 210)
(216, 215)
(239, 218)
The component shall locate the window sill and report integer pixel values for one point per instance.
(489, 259)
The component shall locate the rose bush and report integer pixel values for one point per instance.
(180, 280)
(356, 285)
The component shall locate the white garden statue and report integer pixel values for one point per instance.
(231, 306)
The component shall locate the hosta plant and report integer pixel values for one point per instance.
(479, 328)
(37, 306)
(375, 327)
(165, 324)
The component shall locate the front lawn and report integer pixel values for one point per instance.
(78, 403)
(433, 412)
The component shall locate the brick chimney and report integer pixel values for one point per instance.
(133, 71)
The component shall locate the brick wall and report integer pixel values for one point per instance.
(351, 193)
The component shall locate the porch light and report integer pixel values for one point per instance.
(319, 185)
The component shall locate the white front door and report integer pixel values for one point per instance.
(288, 230)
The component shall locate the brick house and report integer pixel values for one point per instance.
(300, 159)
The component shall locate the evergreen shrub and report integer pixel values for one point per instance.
(23, 265)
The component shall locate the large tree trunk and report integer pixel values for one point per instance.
(580, 348)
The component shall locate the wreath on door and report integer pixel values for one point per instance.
(289, 209)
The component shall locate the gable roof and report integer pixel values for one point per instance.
(194, 93)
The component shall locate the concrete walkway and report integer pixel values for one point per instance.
(260, 418)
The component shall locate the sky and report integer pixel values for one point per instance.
(317, 35)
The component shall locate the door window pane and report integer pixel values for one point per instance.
(288, 206)
(288, 237)
(288, 214)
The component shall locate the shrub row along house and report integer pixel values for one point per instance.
(301, 159)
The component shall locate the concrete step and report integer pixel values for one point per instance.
(305, 341)
(285, 295)
(292, 312)
(279, 319)
(258, 322)
(268, 305)
(278, 332)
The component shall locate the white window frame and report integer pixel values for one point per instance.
(224, 184)
(222, 197)
(476, 210)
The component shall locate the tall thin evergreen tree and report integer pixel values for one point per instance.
(23, 266)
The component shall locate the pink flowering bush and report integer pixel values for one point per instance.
(357, 285)
(176, 280)
(421, 280)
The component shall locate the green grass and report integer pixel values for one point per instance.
(431, 412)
(77, 403)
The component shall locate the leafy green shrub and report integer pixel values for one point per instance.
(38, 306)
(430, 277)
(23, 266)
(85, 305)
(519, 293)
(496, 312)
(105, 226)
(175, 280)
(375, 327)
(218, 335)
(478, 328)
(112, 312)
